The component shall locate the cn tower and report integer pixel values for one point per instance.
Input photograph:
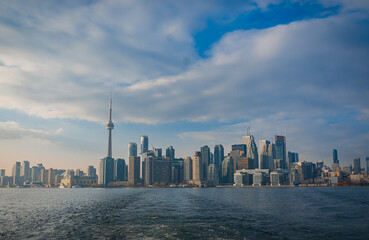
(110, 126)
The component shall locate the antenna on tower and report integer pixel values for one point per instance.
(248, 131)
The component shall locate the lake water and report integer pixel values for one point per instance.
(208, 213)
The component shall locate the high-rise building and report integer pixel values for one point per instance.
(158, 152)
(280, 149)
(132, 149)
(335, 157)
(2, 172)
(267, 155)
(106, 165)
(218, 155)
(197, 166)
(235, 155)
(213, 175)
(292, 157)
(357, 166)
(45, 176)
(252, 151)
(158, 170)
(367, 164)
(245, 163)
(170, 152)
(25, 171)
(241, 147)
(205, 159)
(52, 173)
(134, 170)
(91, 171)
(16, 173)
(228, 170)
(119, 169)
(187, 169)
(144, 144)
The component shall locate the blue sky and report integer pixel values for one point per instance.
(185, 73)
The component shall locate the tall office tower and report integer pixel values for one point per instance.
(213, 175)
(218, 155)
(119, 169)
(227, 170)
(45, 176)
(280, 149)
(252, 151)
(158, 152)
(51, 176)
(134, 170)
(245, 163)
(205, 159)
(144, 144)
(357, 165)
(335, 157)
(25, 171)
(187, 169)
(91, 171)
(292, 157)
(2, 172)
(36, 174)
(197, 172)
(170, 152)
(241, 147)
(132, 149)
(106, 165)
(367, 164)
(158, 170)
(235, 155)
(16, 173)
(267, 155)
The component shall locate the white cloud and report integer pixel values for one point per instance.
(12, 130)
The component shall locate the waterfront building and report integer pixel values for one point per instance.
(83, 181)
(205, 159)
(177, 170)
(347, 169)
(79, 172)
(52, 177)
(306, 171)
(357, 166)
(252, 151)
(267, 152)
(228, 170)
(335, 157)
(292, 158)
(16, 173)
(241, 179)
(134, 170)
(170, 152)
(158, 152)
(235, 155)
(132, 149)
(276, 178)
(280, 149)
(245, 163)
(144, 144)
(106, 165)
(213, 175)
(241, 147)
(158, 170)
(218, 155)
(119, 169)
(25, 171)
(144, 155)
(45, 176)
(2, 172)
(187, 169)
(197, 167)
(91, 171)
(36, 174)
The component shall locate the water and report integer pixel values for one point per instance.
(212, 213)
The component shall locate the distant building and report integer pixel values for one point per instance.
(83, 181)
(280, 149)
(158, 152)
(228, 170)
(347, 169)
(106, 171)
(119, 170)
(170, 152)
(187, 169)
(158, 170)
(357, 166)
(197, 167)
(252, 151)
(276, 178)
(218, 155)
(245, 163)
(292, 158)
(205, 158)
(2, 172)
(267, 155)
(132, 149)
(25, 171)
(335, 157)
(235, 155)
(16, 173)
(240, 147)
(213, 175)
(367, 164)
(134, 170)
(91, 171)
(144, 144)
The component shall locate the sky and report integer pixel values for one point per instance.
(184, 73)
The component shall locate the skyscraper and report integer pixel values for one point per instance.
(292, 157)
(187, 169)
(16, 173)
(119, 169)
(205, 158)
(144, 144)
(106, 165)
(335, 157)
(218, 155)
(170, 152)
(132, 149)
(357, 166)
(252, 151)
(134, 170)
(91, 171)
(241, 147)
(280, 149)
(25, 171)
(197, 166)
(267, 155)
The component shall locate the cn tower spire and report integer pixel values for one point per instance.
(109, 127)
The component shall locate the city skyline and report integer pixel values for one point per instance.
(185, 78)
